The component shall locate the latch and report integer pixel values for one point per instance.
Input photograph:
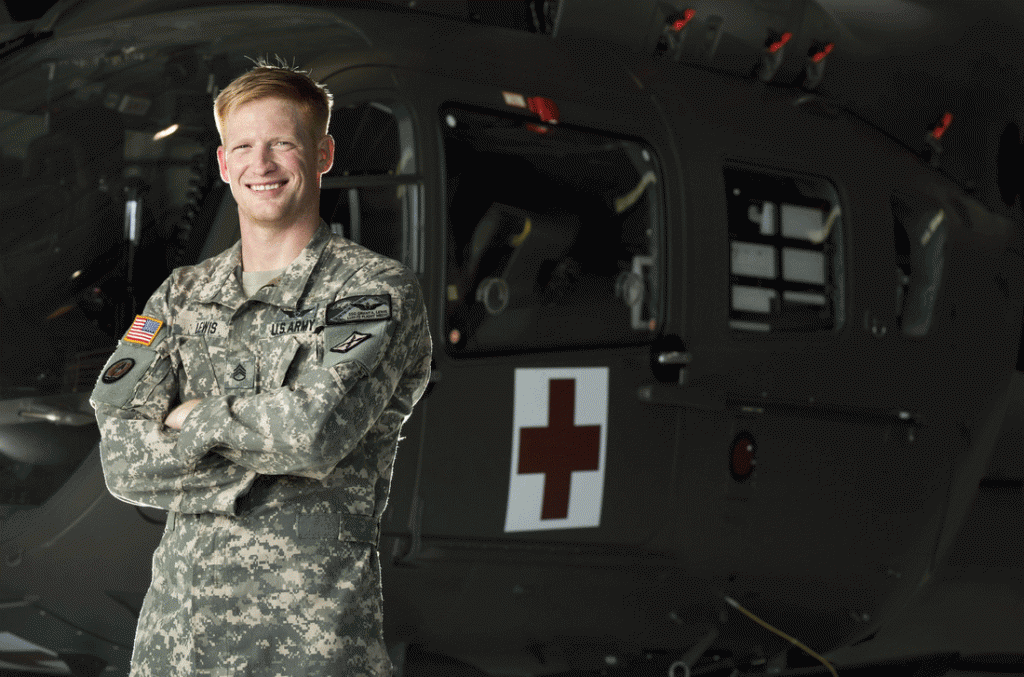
(631, 287)
(669, 359)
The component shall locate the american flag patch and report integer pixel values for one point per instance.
(143, 330)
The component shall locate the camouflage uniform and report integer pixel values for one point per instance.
(277, 480)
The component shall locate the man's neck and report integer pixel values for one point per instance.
(274, 247)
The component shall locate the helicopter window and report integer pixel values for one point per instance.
(552, 235)
(371, 195)
(785, 239)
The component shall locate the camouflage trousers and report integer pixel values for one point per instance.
(270, 596)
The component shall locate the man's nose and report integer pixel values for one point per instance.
(265, 159)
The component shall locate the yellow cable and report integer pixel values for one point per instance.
(629, 199)
(519, 239)
(780, 633)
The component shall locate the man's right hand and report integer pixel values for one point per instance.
(177, 417)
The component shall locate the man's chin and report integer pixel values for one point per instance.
(269, 218)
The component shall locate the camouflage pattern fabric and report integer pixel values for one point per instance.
(278, 478)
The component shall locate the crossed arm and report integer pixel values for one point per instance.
(156, 452)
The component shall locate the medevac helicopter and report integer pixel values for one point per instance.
(720, 357)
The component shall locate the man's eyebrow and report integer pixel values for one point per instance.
(248, 141)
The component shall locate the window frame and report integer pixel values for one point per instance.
(656, 282)
(836, 266)
(413, 245)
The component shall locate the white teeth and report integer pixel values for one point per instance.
(268, 186)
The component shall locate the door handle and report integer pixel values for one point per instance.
(674, 357)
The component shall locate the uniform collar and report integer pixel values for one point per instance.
(225, 285)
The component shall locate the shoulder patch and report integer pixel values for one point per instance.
(354, 339)
(143, 331)
(122, 373)
(363, 343)
(118, 370)
(367, 308)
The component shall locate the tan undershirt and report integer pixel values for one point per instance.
(251, 282)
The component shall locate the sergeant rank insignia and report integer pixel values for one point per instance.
(367, 308)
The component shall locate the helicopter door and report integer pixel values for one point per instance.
(533, 428)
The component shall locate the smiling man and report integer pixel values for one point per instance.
(259, 399)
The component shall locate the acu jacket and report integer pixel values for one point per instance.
(277, 480)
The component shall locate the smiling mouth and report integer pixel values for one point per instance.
(261, 187)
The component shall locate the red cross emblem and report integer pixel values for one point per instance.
(559, 449)
(559, 426)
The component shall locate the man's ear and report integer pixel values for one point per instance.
(223, 164)
(325, 154)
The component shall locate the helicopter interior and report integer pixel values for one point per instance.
(552, 235)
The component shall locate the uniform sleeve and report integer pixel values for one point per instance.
(142, 463)
(305, 428)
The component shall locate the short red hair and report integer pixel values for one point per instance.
(267, 81)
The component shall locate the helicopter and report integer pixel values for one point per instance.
(720, 358)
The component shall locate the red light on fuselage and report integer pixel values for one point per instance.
(544, 108)
(777, 45)
(680, 24)
(820, 56)
(741, 456)
(941, 128)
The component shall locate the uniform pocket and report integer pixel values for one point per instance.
(272, 604)
(234, 363)
(200, 378)
(276, 357)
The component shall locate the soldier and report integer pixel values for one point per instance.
(259, 399)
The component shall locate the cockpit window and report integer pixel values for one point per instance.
(93, 215)
(552, 236)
